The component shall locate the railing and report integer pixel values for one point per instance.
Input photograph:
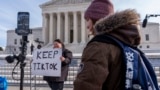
(34, 81)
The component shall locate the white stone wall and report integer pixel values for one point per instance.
(152, 29)
(11, 47)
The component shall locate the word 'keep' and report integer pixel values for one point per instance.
(46, 54)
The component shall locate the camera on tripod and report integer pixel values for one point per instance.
(23, 30)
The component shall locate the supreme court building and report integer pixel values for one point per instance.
(64, 19)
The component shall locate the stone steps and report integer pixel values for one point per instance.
(6, 71)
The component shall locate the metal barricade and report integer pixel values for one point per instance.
(36, 81)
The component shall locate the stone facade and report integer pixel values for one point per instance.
(150, 38)
(14, 40)
(64, 19)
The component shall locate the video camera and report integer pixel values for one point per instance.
(23, 30)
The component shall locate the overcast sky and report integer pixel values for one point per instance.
(9, 9)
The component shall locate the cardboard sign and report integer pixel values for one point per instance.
(46, 62)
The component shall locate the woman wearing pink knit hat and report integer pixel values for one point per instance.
(102, 66)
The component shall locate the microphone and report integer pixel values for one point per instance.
(10, 59)
(144, 23)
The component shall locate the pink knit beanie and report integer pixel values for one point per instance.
(99, 9)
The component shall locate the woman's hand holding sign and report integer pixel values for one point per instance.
(62, 58)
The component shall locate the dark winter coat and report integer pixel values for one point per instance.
(64, 69)
(102, 66)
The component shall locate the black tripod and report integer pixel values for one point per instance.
(22, 29)
(22, 57)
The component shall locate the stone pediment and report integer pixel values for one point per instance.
(64, 2)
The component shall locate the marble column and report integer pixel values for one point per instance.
(54, 27)
(51, 28)
(45, 29)
(75, 34)
(83, 28)
(58, 25)
(66, 25)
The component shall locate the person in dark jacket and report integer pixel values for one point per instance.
(56, 83)
(32, 48)
(102, 66)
